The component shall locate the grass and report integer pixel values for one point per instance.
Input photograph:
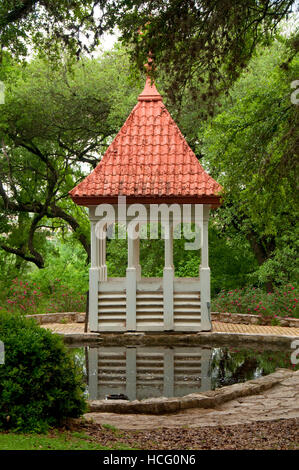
(109, 427)
(54, 441)
(116, 431)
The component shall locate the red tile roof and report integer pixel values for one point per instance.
(149, 161)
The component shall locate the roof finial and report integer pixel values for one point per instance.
(150, 92)
(150, 65)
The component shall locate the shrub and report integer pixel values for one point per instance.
(64, 299)
(40, 384)
(23, 296)
(282, 302)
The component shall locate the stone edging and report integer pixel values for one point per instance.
(67, 317)
(183, 339)
(241, 318)
(191, 339)
(210, 399)
(244, 318)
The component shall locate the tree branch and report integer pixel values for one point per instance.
(19, 12)
(21, 254)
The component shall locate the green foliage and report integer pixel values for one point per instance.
(203, 41)
(237, 364)
(282, 302)
(231, 263)
(54, 441)
(67, 262)
(231, 260)
(64, 299)
(28, 298)
(250, 148)
(49, 26)
(54, 125)
(40, 383)
(60, 287)
(23, 297)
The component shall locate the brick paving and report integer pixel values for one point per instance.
(254, 329)
(68, 328)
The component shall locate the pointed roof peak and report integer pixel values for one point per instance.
(148, 161)
(150, 92)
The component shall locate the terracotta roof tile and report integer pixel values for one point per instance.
(149, 157)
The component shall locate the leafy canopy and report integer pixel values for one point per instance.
(54, 125)
(251, 149)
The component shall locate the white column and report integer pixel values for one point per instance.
(102, 257)
(131, 284)
(136, 255)
(168, 279)
(204, 273)
(93, 279)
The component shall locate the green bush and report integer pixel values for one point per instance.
(40, 384)
(282, 302)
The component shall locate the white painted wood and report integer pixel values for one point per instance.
(131, 255)
(117, 284)
(185, 300)
(168, 246)
(168, 278)
(206, 324)
(149, 297)
(205, 237)
(150, 303)
(187, 328)
(93, 298)
(107, 303)
(204, 273)
(112, 311)
(136, 251)
(150, 327)
(186, 285)
(131, 282)
(102, 259)
(111, 328)
(151, 284)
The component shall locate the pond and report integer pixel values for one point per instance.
(138, 372)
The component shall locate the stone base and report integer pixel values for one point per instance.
(210, 399)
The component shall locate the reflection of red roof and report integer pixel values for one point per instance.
(149, 161)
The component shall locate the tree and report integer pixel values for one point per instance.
(54, 125)
(204, 40)
(47, 24)
(251, 149)
(211, 40)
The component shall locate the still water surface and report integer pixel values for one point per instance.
(145, 372)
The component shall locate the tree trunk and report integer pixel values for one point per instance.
(262, 251)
